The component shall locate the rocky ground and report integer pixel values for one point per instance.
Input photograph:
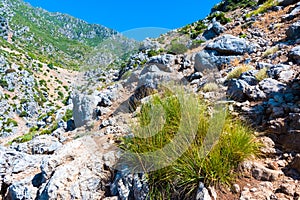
(74, 160)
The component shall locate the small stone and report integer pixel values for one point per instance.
(202, 193)
(236, 188)
(287, 189)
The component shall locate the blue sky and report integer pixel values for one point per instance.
(132, 14)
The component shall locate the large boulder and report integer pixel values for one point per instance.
(271, 86)
(17, 170)
(211, 60)
(163, 62)
(77, 171)
(293, 31)
(84, 108)
(153, 76)
(43, 144)
(237, 90)
(231, 45)
(294, 54)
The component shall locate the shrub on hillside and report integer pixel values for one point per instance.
(180, 179)
(177, 48)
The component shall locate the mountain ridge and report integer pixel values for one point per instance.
(66, 38)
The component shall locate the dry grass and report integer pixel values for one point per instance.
(262, 74)
(210, 87)
(270, 51)
(237, 71)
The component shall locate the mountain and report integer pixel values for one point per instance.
(207, 111)
(58, 38)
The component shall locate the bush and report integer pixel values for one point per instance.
(24, 138)
(263, 8)
(152, 52)
(60, 94)
(23, 114)
(220, 16)
(230, 5)
(68, 115)
(196, 43)
(3, 83)
(177, 48)
(180, 178)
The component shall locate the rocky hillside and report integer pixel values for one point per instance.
(243, 59)
(58, 38)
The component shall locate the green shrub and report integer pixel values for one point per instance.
(60, 94)
(180, 178)
(177, 48)
(11, 121)
(3, 83)
(263, 8)
(23, 114)
(24, 138)
(68, 115)
(230, 5)
(196, 43)
(152, 52)
(220, 16)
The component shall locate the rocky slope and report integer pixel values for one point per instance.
(58, 38)
(246, 58)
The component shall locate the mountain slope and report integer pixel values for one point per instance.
(59, 38)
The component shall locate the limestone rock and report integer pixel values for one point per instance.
(211, 60)
(83, 108)
(293, 31)
(202, 193)
(231, 45)
(214, 30)
(163, 62)
(294, 54)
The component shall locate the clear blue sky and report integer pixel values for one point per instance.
(126, 15)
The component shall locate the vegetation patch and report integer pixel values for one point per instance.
(230, 5)
(210, 87)
(220, 16)
(263, 8)
(180, 179)
(237, 71)
(270, 51)
(177, 48)
(262, 74)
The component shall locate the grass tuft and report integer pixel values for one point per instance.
(262, 74)
(210, 87)
(219, 145)
(237, 71)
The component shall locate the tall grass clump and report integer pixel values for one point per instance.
(237, 71)
(218, 145)
(262, 74)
